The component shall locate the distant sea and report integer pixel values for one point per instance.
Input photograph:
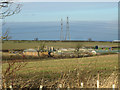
(79, 30)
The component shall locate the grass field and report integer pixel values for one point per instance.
(70, 72)
(58, 44)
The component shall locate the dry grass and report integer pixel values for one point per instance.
(69, 72)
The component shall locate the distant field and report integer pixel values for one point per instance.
(35, 44)
(51, 70)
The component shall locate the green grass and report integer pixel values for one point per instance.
(51, 69)
(35, 44)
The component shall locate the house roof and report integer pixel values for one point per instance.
(30, 50)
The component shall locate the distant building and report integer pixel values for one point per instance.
(34, 52)
(116, 41)
(31, 52)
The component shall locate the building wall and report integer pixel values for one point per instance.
(36, 53)
(31, 53)
(43, 53)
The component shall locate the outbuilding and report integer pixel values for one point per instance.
(35, 52)
(31, 52)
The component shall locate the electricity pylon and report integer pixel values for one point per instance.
(61, 33)
(67, 30)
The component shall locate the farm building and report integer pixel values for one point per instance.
(34, 52)
(117, 41)
(105, 47)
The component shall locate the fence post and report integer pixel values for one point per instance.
(68, 88)
(98, 81)
(40, 87)
(5, 86)
(113, 86)
(10, 87)
(81, 84)
(60, 86)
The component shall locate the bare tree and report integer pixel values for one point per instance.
(77, 49)
(9, 8)
(6, 36)
(9, 75)
(89, 39)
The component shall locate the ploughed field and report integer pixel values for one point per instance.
(67, 72)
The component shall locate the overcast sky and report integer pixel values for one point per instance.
(77, 11)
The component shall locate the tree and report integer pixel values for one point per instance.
(42, 46)
(36, 39)
(8, 8)
(77, 50)
(6, 36)
(89, 39)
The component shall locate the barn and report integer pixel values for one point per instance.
(30, 52)
(35, 52)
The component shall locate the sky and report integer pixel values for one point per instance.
(96, 20)
(64, 0)
(76, 11)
